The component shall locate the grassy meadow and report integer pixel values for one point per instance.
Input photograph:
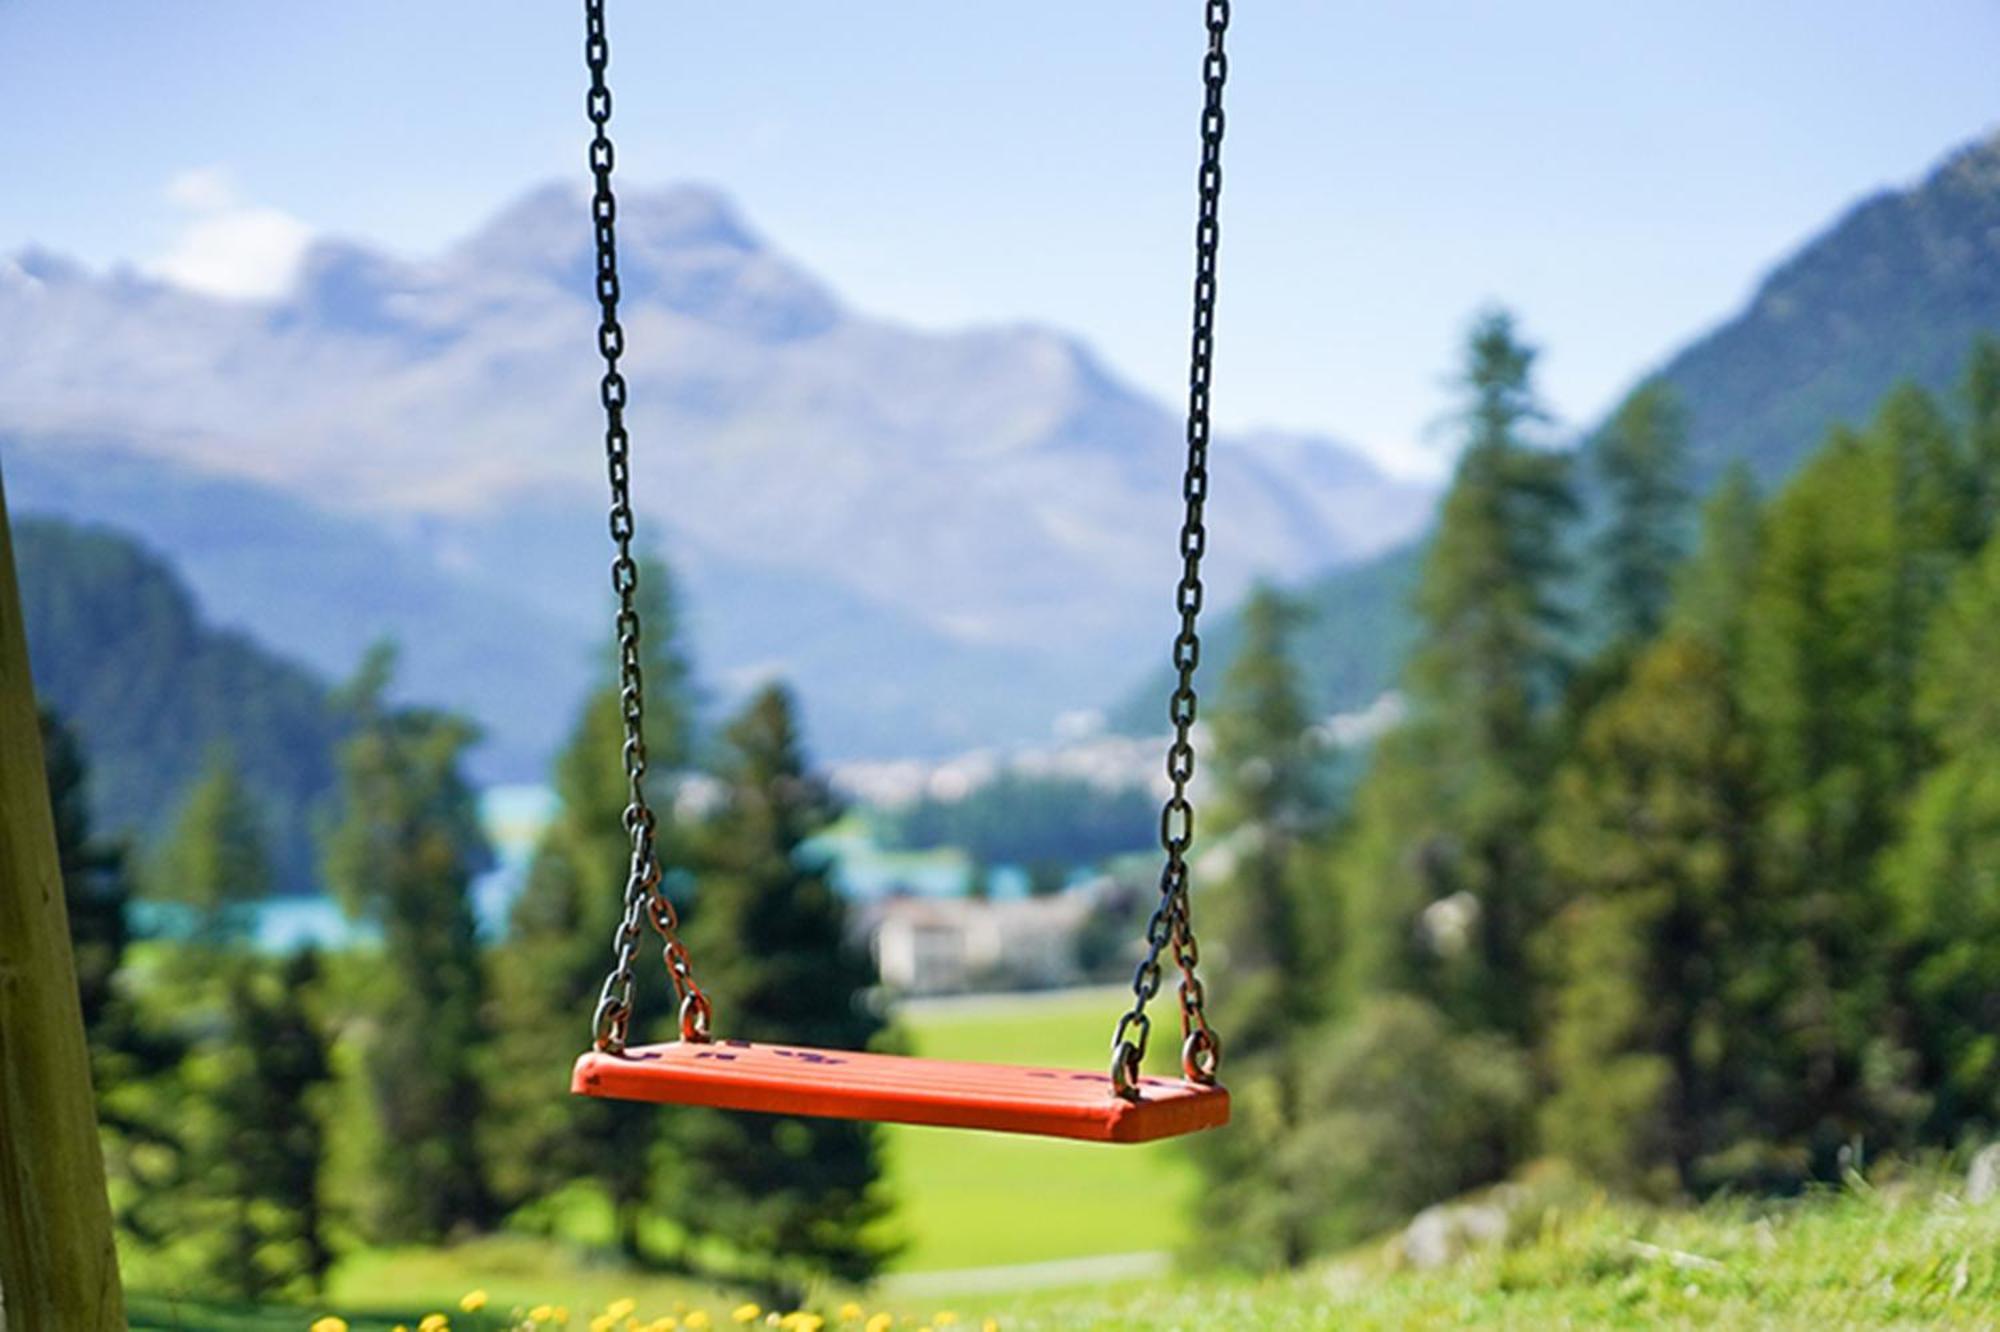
(1869, 1257)
(966, 1200)
(973, 1200)
(1897, 1255)
(1891, 1257)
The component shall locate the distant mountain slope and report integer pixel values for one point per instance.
(1349, 648)
(1897, 289)
(507, 616)
(320, 588)
(120, 651)
(956, 535)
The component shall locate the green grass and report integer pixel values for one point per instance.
(1909, 1258)
(1852, 1260)
(986, 1199)
(1898, 1256)
(383, 1288)
(965, 1200)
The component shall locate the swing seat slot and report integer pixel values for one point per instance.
(841, 1084)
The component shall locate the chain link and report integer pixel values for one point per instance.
(1170, 924)
(645, 898)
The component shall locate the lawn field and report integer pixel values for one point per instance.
(1902, 1255)
(965, 1200)
(1848, 1260)
(1861, 1258)
(971, 1200)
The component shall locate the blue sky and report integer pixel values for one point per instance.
(1620, 174)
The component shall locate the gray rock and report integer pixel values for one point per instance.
(1982, 1182)
(1441, 1235)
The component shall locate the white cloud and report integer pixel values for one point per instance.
(203, 190)
(228, 247)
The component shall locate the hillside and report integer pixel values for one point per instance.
(1911, 1254)
(1349, 646)
(946, 538)
(1898, 288)
(121, 652)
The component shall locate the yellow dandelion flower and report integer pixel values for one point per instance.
(697, 1320)
(662, 1324)
(850, 1312)
(561, 1315)
(881, 1322)
(945, 1318)
(330, 1324)
(746, 1313)
(620, 1308)
(542, 1313)
(602, 1323)
(472, 1301)
(990, 1325)
(435, 1322)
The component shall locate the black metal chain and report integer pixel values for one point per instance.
(644, 896)
(1170, 924)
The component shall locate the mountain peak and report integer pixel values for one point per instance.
(1976, 165)
(1896, 287)
(989, 508)
(41, 267)
(551, 224)
(688, 215)
(684, 246)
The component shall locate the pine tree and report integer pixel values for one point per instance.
(548, 973)
(1980, 395)
(1267, 803)
(1389, 865)
(1932, 522)
(1857, 543)
(96, 888)
(402, 857)
(1660, 960)
(1812, 678)
(1944, 874)
(1267, 984)
(1458, 868)
(215, 861)
(243, 1215)
(1641, 457)
(1659, 957)
(1440, 884)
(260, 1168)
(134, 1064)
(1711, 603)
(769, 935)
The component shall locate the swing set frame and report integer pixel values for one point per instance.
(58, 1266)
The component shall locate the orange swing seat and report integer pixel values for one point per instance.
(840, 1084)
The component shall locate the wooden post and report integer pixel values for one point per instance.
(58, 1269)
